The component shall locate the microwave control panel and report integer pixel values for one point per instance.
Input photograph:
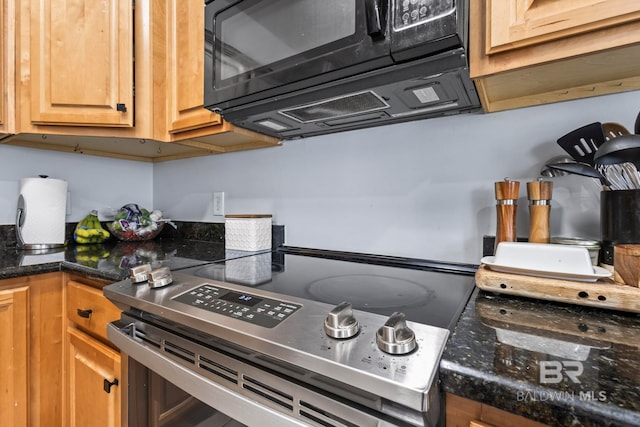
(414, 12)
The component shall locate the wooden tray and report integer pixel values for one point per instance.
(604, 293)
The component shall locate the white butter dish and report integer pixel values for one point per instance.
(544, 257)
(545, 260)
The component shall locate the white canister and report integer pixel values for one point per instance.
(247, 232)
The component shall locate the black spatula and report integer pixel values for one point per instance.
(582, 143)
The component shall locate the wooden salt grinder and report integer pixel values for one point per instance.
(506, 206)
(539, 195)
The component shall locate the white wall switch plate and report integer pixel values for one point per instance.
(218, 203)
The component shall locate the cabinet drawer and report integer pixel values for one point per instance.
(89, 309)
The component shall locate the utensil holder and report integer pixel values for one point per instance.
(619, 220)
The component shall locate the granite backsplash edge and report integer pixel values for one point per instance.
(200, 231)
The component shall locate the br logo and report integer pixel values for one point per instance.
(553, 372)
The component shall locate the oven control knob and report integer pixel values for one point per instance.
(160, 277)
(341, 323)
(139, 273)
(395, 337)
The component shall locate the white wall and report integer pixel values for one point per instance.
(420, 189)
(93, 182)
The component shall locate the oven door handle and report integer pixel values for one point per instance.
(234, 405)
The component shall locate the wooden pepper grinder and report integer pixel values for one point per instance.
(506, 206)
(539, 195)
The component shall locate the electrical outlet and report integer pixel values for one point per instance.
(218, 203)
(68, 203)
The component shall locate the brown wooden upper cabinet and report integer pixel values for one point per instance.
(525, 22)
(178, 76)
(530, 52)
(81, 56)
(3, 63)
(181, 65)
(115, 78)
(79, 64)
(7, 32)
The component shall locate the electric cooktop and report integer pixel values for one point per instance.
(427, 292)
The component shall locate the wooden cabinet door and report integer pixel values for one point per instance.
(184, 67)
(515, 23)
(460, 411)
(90, 364)
(3, 64)
(81, 54)
(7, 67)
(13, 356)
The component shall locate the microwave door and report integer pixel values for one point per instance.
(261, 48)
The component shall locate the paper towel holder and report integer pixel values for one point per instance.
(31, 247)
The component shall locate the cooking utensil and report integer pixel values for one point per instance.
(613, 130)
(624, 148)
(582, 143)
(631, 175)
(548, 172)
(582, 169)
(621, 176)
(613, 175)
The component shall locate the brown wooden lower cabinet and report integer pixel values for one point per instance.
(93, 385)
(462, 412)
(31, 336)
(93, 380)
(14, 338)
(56, 363)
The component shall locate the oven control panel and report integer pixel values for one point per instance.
(238, 305)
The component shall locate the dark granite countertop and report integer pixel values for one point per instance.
(188, 244)
(113, 259)
(558, 364)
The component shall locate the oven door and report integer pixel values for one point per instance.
(163, 392)
(177, 381)
(154, 401)
(255, 49)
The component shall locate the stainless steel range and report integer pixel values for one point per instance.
(294, 337)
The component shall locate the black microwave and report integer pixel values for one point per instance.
(296, 68)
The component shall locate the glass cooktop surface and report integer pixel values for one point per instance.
(424, 294)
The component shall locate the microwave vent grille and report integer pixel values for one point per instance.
(334, 108)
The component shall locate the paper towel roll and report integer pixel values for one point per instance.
(44, 204)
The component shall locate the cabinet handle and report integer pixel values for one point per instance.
(107, 385)
(85, 313)
(121, 107)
